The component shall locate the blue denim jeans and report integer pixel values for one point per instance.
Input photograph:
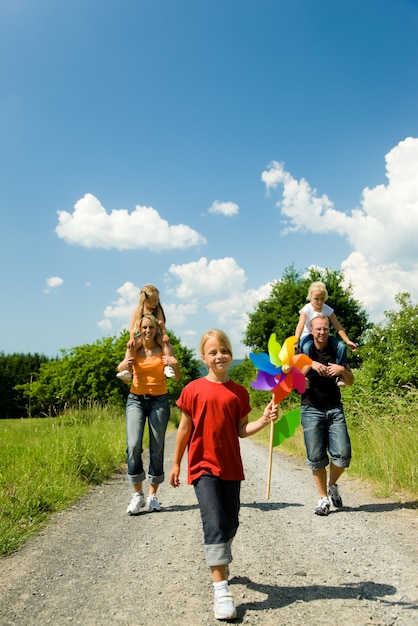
(325, 432)
(138, 409)
(219, 504)
(340, 348)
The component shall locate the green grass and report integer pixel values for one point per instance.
(384, 442)
(46, 464)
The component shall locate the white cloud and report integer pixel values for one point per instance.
(205, 278)
(53, 283)
(122, 308)
(224, 208)
(210, 294)
(92, 227)
(382, 231)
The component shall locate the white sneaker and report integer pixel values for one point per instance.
(224, 607)
(153, 504)
(125, 376)
(169, 372)
(137, 502)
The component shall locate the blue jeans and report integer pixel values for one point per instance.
(325, 432)
(339, 347)
(219, 504)
(138, 409)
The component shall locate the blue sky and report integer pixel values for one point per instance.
(202, 146)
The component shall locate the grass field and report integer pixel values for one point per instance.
(46, 464)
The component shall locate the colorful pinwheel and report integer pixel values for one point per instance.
(280, 371)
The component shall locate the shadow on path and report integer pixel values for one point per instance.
(278, 596)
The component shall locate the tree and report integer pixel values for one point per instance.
(390, 351)
(17, 369)
(87, 374)
(279, 313)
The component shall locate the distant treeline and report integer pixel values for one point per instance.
(17, 369)
(33, 385)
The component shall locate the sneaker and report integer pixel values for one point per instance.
(334, 494)
(169, 372)
(153, 504)
(323, 507)
(341, 382)
(137, 502)
(224, 606)
(125, 376)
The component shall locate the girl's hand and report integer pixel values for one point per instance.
(175, 475)
(352, 345)
(270, 412)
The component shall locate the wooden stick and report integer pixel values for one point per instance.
(270, 460)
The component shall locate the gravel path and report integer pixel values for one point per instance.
(94, 565)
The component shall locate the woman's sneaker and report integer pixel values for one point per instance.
(169, 372)
(137, 502)
(323, 507)
(125, 376)
(224, 607)
(153, 504)
(334, 494)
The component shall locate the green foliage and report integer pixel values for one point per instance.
(17, 369)
(87, 374)
(46, 464)
(390, 351)
(279, 313)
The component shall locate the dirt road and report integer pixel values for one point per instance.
(94, 565)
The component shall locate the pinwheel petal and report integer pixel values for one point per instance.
(274, 348)
(282, 390)
(300, 361)
(288, 350)
(299, 381)
(262, 362)
(264, 382)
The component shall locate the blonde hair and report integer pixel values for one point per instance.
(221, 337)
(318, 285)
(147, 292)
(152, 319)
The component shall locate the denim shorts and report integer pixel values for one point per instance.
(325, 433)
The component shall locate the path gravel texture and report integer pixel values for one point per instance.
(94, 565)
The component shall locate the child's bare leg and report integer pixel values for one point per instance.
(218, 573)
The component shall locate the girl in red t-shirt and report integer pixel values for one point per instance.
(214, 415)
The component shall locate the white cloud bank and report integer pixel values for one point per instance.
(382, 231)
(209, 294)
(92, 227)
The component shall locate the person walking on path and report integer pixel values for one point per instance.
(148, 399)
(325, 431)
(215, 413)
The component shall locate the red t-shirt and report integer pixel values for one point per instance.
(216, 410)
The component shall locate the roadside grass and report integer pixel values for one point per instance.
(384, 441)
(46, 464)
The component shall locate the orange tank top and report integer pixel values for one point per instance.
(148, 376)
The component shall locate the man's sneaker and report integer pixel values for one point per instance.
(153, 504)
(125, 376)
(323, 507)
(169, 372)
(224, 606)
(341, 382)
(334, 494)
(137, 502)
